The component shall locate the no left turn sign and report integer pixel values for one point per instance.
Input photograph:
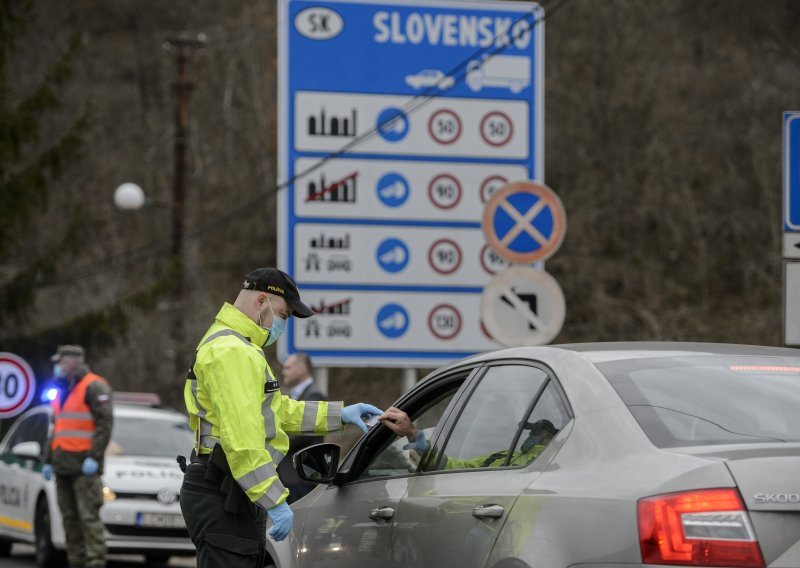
(523, 306)
(17, 385)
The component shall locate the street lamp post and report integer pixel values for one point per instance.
(131, 196)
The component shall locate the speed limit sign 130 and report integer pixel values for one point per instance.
(17, 385)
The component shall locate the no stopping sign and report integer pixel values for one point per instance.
(17, 385)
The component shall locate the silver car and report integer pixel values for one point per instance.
(590, 456)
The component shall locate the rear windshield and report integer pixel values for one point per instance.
(149, 437)
(705, 400)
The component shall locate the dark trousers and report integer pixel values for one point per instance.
(79, 499)
(223, 539)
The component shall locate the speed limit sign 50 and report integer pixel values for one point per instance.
(17, 385)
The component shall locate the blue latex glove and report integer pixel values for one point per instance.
(47, 472)
(420, 444)
(89, 466)
(356, 414)
(281, 517)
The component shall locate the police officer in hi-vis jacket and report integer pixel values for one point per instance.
(241, 423)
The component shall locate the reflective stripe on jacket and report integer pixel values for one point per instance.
(233, 399)
(73, 423)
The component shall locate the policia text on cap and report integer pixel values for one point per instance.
(241, 421)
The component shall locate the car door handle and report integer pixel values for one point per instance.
(488, 511)
(381, 514)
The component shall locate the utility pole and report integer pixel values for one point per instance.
(182, 47)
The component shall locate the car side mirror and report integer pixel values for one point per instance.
(28, 450)
(317, 463)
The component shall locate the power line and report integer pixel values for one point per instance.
(499, 43)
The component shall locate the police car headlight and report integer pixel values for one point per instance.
(108, 495)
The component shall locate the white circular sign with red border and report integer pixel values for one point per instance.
(444, 321)
(490, 185)
(444, 191)
(444, 126)
(17, 385)
(496, 129)
(491, 261)
(445, 256)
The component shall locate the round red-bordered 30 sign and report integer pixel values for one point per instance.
(524, 222)
(17, 385)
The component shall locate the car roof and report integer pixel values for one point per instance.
(613, 351)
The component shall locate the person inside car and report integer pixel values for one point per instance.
(539, 435)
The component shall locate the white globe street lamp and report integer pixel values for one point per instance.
(129, 196)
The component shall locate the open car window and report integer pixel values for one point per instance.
(392, 456)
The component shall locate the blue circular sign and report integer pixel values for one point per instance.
(392, 320)
(392, 124)
(525, 240)
(392, 255)
(524, 222)
(392, 189)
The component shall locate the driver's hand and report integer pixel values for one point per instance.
(398, 422)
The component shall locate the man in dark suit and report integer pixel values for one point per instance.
(298, 378)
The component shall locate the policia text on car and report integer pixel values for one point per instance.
(241, 421)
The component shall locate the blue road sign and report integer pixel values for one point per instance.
(524, 222)
(392, 124)
(392, 189)
(392, 321)
(392, 255)
(791, 171)
(393, 95)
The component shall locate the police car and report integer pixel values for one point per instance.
(142, 481)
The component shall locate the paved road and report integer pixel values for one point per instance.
(22, 557)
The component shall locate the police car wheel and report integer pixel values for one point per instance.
(5, 548)
(46, 553)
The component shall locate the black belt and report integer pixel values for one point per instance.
(202, 458)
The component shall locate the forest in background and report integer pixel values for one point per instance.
(662, 138)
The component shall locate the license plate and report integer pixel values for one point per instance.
(168, 520)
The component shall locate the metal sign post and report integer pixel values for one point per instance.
(399, 119)
(791, 228)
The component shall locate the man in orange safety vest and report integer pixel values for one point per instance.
(82, 423)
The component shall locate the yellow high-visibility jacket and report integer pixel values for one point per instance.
(233, 399)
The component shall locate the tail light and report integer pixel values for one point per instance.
(698, 528)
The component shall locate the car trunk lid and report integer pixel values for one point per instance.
(768, 478)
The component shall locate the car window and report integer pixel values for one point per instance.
(548, 417)
(30, 429)
(492, 419)
(394, 458)
(149, 437)
(709, 400)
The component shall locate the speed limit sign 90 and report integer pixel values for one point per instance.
(17, 385)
